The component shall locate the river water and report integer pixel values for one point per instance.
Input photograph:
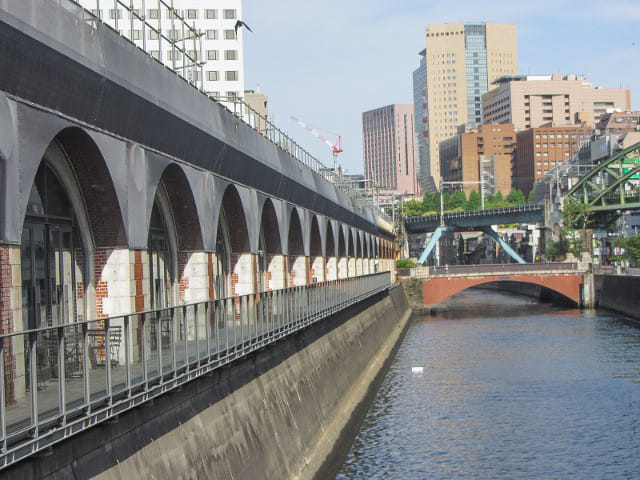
(510, 389)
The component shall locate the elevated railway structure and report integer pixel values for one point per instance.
(147, 234)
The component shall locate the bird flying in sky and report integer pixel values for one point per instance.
(239, 24)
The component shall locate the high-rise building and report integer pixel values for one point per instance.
(529, 101)
(388, 148)
(483, 154)
(458, 65)
(197, 38)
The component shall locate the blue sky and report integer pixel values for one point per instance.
(328, 61)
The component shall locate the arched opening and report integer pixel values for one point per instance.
(351, 254)
(271, 273)
(53, 263)
(55, 271)
(331, 269)
(234, 244)
(316, 259)
(161, 257)
(222, 273)
(358, 254)
(342, 254)
(297, 260)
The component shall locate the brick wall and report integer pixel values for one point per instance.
(7, 322)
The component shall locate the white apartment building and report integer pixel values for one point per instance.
(165, 29)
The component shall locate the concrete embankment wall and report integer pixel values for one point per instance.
(288, 411)
(620, 294)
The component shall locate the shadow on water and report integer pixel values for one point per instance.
(492, 301)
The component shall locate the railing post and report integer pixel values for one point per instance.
(107, 356)
(33, 380)
(127, 352)
(61, 374)
(145, 353)
(3, 415)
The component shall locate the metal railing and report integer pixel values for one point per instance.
(502, 269)
(64, 379)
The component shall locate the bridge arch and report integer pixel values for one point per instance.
(568, 285)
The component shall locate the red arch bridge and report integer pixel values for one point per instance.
(440, 283)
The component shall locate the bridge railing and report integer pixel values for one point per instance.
(60, 380)
(503, 268)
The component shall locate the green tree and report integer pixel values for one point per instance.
(631, 253)
(413, 208)
(474, 202)
(556, 250)
(516, 197)
(431, 202)
(458, 200)
(531, 198)
(576, 216)
(406, 263)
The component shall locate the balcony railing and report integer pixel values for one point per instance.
(64, 379)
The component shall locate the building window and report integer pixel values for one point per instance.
(230, 54)
(174, 55)
(229, 14)
(212, 55)
(231, 76)
(229, 35)
(135, 34)
(212, 34)
(193, 76)
(210, 14)
(113, 14)
(172, 13)
(153, 13)
(213, 76)
(192, 13)
(153, 35)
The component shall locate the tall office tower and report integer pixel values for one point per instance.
(389, 152)
(216, 63)
(529, 101)
(461, 60)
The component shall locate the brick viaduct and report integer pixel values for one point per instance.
(123, 188)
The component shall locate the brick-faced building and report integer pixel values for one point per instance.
(491, 146)
(542, 149)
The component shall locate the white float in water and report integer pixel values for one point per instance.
(417, 369)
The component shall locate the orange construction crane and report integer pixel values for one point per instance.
(335, 148)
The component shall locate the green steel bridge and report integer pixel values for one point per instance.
(613, 185)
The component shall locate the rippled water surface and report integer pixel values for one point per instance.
(519, 390)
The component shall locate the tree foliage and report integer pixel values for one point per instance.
(406, 263)
(631, 250)
(458, 200)
(556, 251)
(576, 216)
